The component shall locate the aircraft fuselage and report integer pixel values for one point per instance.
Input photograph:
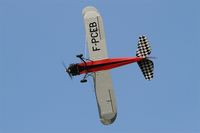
(99, 65)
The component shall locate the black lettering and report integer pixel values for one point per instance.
(95, 49)
(92, 35)
(94, 24)
(93, 40)
(94, 29)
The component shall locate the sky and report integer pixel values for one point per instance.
(37, 96)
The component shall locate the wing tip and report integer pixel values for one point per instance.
(88, 9)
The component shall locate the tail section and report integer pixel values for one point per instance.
(144, 48)
(146, 65)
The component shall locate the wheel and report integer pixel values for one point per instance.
(83, 80)
(79, 56)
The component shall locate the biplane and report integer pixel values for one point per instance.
(98, 64)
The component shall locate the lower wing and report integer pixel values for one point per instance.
(105, 97)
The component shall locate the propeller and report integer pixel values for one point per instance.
(67, 70)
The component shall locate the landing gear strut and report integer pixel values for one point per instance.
(80, 56)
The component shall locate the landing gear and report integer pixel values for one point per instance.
(79, 56)
(83, 80)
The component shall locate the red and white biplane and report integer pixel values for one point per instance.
(98, 64)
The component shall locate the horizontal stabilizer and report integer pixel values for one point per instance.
(146, 67)
(144, 48)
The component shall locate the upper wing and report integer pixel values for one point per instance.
(105, 97)
(95, 35)
(97, 50)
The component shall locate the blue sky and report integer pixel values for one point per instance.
(36, 96)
